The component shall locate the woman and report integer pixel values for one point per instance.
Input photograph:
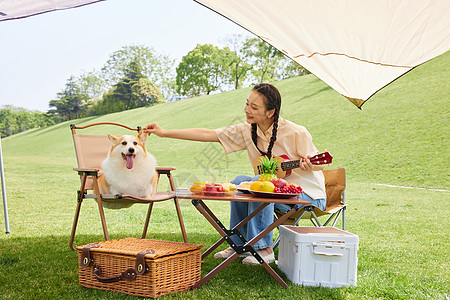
(263, 133)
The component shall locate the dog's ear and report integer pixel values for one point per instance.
(113, 139)
(142, 136)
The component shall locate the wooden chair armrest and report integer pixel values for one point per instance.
(89, 171)
(164, 170)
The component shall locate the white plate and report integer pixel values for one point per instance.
(274, 195)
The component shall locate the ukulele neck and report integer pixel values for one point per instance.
(289, 165)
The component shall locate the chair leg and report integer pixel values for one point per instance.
(277, 241)
(100, 208)
(180, 219)
(75, 223)
(147, 220)
(77, 211)
(334, 217)
(177, 206)
(316, 219)
(343, 218)
(338, 214)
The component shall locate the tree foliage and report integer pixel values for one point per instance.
(15, 119)
(158, 68)
(239, 68)
(71, 101)
(92, 84)
(132, 91)
(264, 59)
(137, 76)
(203, 70)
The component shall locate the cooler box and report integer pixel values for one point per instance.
(318, 256)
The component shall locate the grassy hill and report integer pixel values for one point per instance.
(413, 112)
(403, 233)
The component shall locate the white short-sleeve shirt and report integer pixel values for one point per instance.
(292, 140)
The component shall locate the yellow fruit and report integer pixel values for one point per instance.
(197, 187)
(267, 186)
(256, 186)
(228, 187)
(245, 185)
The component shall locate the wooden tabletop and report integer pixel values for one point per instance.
(242, 198)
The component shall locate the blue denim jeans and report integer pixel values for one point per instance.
(284, 208)
(240, 210)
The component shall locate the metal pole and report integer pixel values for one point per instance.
(5, 205)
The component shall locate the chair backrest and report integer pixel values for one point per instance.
(335, 187)
(91, 150)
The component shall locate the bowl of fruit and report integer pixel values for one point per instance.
(213, 188)
(275, 188)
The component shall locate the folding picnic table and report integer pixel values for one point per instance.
(200, 205)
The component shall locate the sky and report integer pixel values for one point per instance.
(39, 53)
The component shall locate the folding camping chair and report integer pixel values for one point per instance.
(90, 151)
(335, 206)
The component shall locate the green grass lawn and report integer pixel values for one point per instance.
(403, 232)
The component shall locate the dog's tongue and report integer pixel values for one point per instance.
(130, 161)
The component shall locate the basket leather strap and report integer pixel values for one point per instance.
(141, 266)
(86, 258)
(129, 274)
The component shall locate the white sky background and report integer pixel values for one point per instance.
(39, 53)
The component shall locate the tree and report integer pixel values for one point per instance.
(59, 108)
(158, 68)
(238, 67)
(92, 84)
(8, 122)
(16, 119)
(146, 93)
(203, 70)
(132, 91)
(291, 69)
(264, 58)
(70, 103)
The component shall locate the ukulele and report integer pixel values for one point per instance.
(285, 165)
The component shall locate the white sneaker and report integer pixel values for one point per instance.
(228, 252)
(251, 260)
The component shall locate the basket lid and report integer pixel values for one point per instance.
(132, 246)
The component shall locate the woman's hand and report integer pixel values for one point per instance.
(191, 134)
(154, 128)
(305, 164)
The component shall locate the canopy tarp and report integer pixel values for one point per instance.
(356, 47)
(16, 9)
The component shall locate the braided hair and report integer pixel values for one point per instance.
(272, 100)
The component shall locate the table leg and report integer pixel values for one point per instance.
(248, 246)
(226, 234)
(216, 270)
(261, 235)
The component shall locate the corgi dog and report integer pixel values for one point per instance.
(127, 169)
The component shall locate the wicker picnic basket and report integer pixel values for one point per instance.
(140, 267)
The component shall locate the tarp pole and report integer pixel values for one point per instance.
(5, 205)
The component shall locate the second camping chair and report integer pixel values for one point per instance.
(335, 206)
(90, 151)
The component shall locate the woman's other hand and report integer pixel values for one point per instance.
(306, 164)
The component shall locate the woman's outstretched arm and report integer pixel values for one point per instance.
(192, 134)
